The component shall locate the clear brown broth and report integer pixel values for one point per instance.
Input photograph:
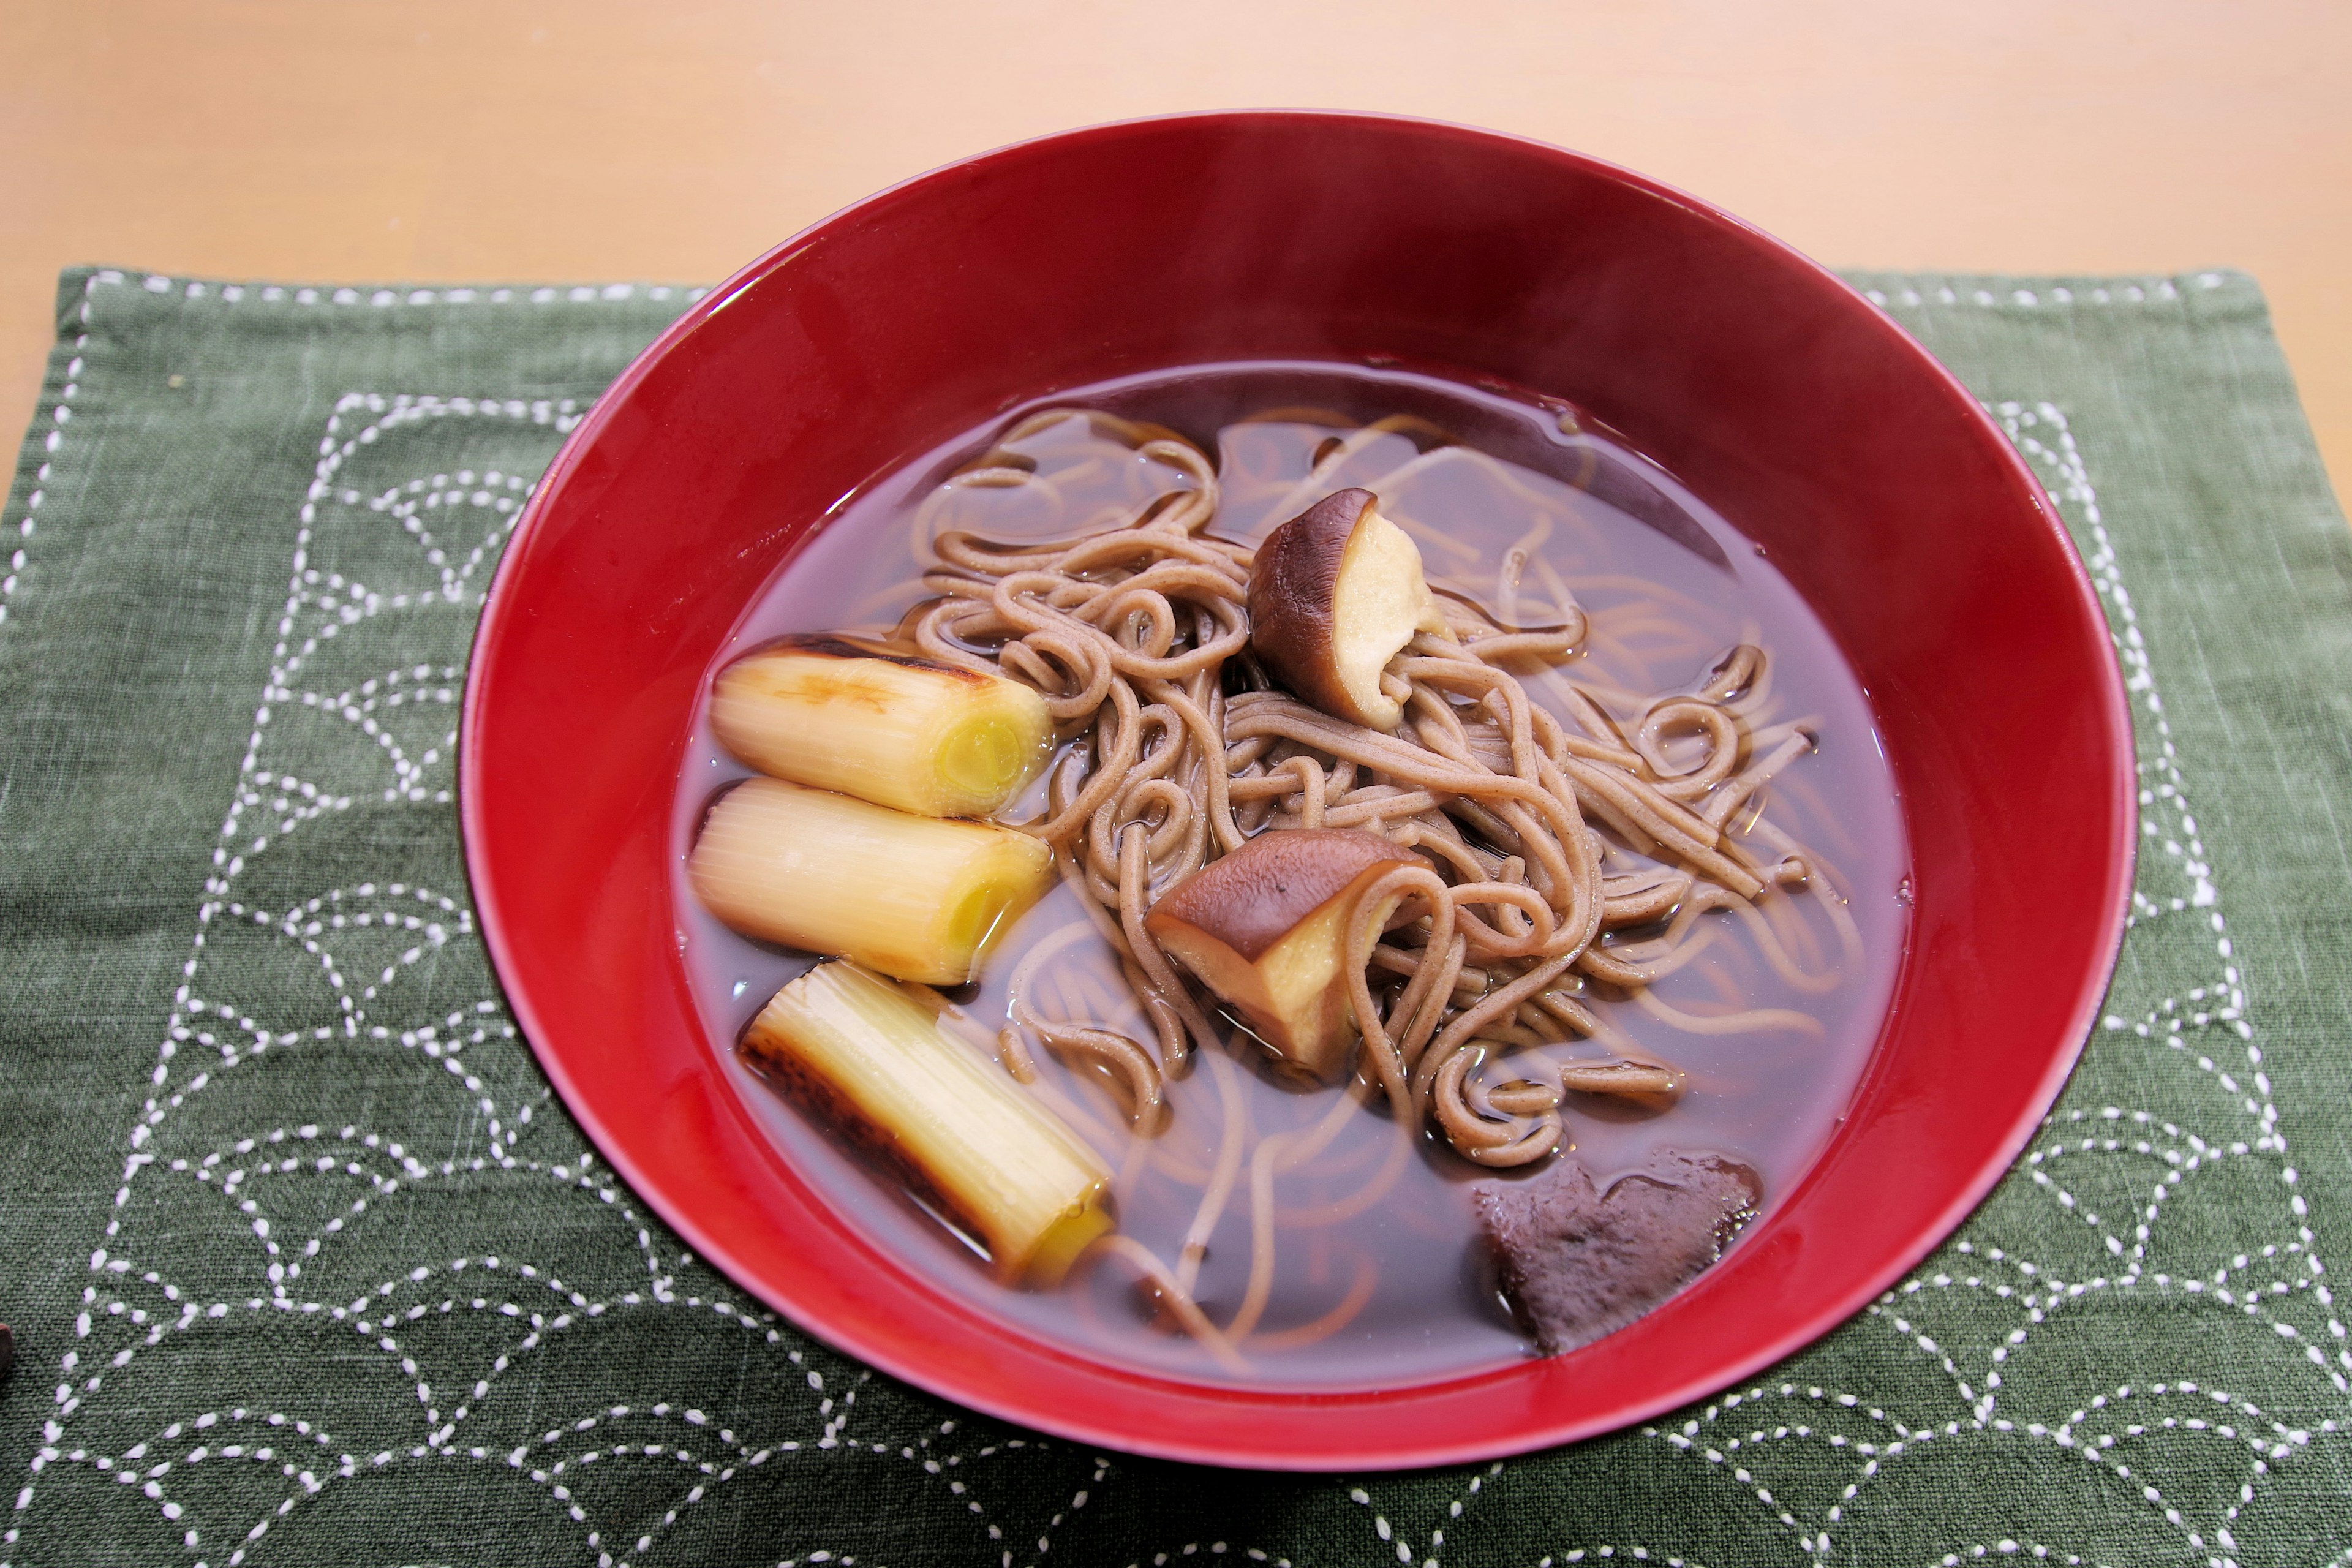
(1629, 542)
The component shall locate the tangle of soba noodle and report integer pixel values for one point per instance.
(1545, 826)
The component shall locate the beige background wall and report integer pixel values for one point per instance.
(437, 140)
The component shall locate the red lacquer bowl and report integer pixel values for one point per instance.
(1770, 388)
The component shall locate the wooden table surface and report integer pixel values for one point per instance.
(442, 140)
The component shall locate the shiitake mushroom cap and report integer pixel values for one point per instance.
(1266, 927)
(1333, 594)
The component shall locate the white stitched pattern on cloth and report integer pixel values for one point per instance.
(2267, 1274)
(457, 294)
(402, 522)
(348, 719)
(60, 415)
(18, 542)
(1920, 292)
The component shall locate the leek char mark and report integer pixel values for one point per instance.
(874, 1053)
(857, 717)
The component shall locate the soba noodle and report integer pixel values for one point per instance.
(1565, 855)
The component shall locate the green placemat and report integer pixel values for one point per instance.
(306, 1267)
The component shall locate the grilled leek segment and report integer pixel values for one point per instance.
(875, 1057)
(855, 716)
(917, 897)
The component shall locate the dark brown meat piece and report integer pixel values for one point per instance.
(1577, 1264)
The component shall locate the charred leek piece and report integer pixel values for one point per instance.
(911, 895)
(876, 1054)
(857, 716)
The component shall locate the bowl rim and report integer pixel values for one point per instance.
(1803, 1327)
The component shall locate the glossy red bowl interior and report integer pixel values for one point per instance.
(1809, 420)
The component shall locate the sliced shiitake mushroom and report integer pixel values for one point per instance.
(1266, 928)
(1333, 594)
